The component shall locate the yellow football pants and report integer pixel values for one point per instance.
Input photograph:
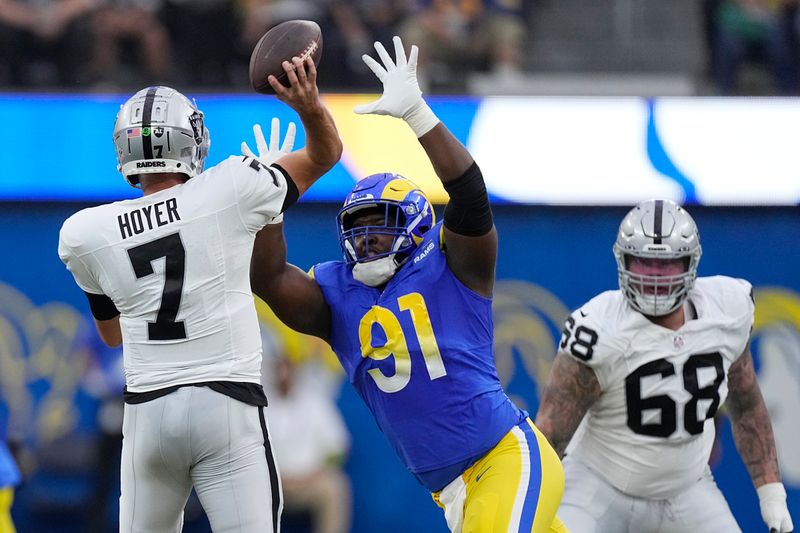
(516, 487)
(6, 499)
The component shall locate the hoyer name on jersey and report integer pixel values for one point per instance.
(148, 217)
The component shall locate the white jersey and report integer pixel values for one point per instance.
(176, 264)
(650, 433)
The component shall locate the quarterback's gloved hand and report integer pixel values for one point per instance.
(402, 97)
(268, 155)
(772, 498)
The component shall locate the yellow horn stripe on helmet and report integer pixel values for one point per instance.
(397, 189)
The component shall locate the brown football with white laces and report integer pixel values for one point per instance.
(293, 38)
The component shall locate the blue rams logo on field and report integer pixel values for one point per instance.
(776, 351)
(527, 324)
(44, 356)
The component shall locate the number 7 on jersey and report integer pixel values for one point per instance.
(165, 328)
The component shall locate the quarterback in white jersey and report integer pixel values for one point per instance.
(167, 275)
(639, 376)
(176, 265)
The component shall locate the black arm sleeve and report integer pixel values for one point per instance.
(292, 194)
(468, 212)
(102, 307)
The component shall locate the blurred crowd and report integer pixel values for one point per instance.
(740, 33)
(123, 44)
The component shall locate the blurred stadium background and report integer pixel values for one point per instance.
(575, 110)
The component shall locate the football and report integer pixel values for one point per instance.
(301, 38)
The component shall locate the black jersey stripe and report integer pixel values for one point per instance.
(659, 214)
(249, 393)
(273, 474)
(292, 193)
(147, 117)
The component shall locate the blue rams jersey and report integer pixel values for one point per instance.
(420, 354)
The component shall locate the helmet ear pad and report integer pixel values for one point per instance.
(159, 130)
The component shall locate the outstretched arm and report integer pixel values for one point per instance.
(292, 294)
(752, 433)
(469, 231)
(323, 145)
(571, 389)
(470, 236)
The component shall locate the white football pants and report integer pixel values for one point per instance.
(195, 436)
(592, 505)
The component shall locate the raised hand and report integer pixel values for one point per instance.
(402, 97)
(302, 95)
(269, 154)
(401, 92)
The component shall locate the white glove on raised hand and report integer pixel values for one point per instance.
(269, 154)
(402, 97)
(772, 498)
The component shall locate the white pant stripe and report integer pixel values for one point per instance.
(525, 478)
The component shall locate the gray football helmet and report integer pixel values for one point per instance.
(657, 229)
(160, 130)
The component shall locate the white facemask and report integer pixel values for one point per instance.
(375, 273)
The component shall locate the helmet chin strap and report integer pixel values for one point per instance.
(377, 272)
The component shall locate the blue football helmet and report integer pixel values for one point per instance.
(408, 216)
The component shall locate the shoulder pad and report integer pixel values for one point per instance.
(589, 333)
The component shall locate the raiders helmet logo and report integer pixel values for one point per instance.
(196, 120)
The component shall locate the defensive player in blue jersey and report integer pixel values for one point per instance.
(409, 315)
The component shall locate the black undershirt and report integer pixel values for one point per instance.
(249, 393)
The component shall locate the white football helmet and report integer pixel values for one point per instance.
(160, 130)
(657, 229)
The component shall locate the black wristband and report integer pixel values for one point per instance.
(468, 212)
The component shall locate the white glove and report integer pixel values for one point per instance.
(772, 498)
(402, 97)
(268, 155)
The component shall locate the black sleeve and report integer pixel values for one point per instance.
(102, 307)
(468, 212)
(292, 194)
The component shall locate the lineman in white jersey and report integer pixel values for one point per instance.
(643, 370)
(167, 276)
